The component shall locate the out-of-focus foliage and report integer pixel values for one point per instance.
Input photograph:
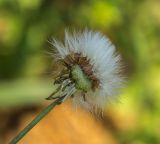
(26, 26)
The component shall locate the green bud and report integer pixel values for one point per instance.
(81, 80)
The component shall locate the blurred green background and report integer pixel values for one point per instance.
(133, 26)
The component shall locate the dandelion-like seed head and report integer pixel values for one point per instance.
(91, 69)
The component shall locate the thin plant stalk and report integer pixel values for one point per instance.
(42, 114)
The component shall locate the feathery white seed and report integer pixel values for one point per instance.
(106, 64)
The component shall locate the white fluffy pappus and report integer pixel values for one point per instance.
(103, 59)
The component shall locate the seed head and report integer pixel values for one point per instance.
(91, 69)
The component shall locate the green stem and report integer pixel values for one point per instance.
(36, 120)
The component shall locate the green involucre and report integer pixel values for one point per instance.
(81, 80)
